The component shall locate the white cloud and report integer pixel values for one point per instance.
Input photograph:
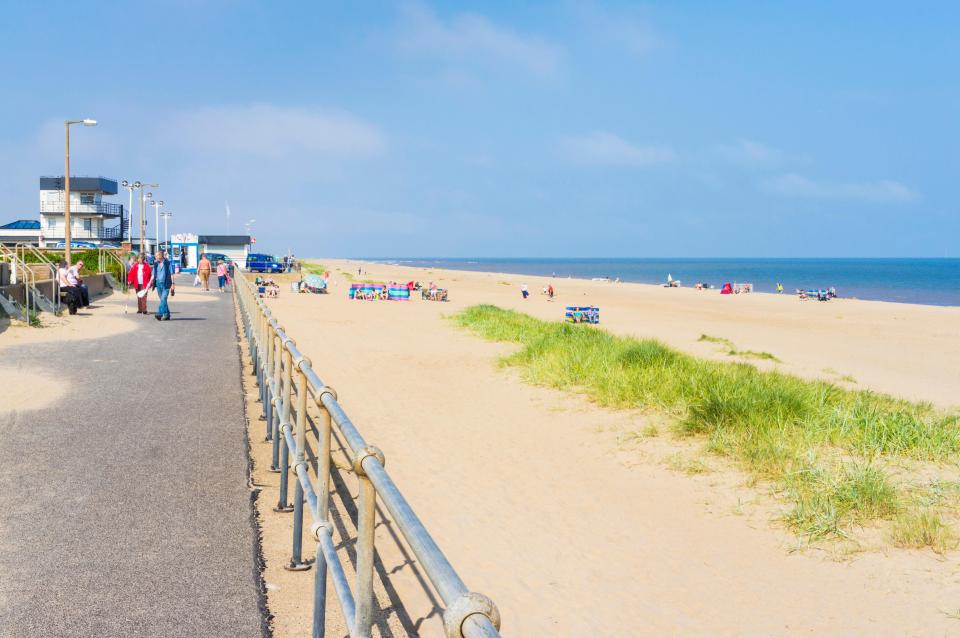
(879, 192)
(275, 131)
(602, 147)
(750, 153)
(472, 36)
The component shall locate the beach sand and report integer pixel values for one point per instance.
(574, 525)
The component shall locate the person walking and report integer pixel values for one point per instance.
(204, 268)
(525, 291)
(221, 274)
(163, 284)
(139, 278)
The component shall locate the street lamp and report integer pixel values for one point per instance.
(143, 221)
(66, 184)
(166, 230)
(130, 188)
(156, 218)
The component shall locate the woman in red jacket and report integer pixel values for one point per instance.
(139, 278)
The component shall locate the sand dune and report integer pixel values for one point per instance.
(538, 504)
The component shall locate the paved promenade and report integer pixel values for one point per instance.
(124, 508)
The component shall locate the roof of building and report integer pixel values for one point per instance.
(23, 224)
(103, 185)
(229, 240)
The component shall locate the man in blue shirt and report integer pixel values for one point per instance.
(163, 283)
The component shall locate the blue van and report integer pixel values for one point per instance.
(257, 262)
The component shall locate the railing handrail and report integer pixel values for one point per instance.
(276, 356)
(22, 272)
(96, 208)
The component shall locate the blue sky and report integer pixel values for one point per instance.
(504, 129)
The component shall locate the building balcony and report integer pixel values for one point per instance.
(112, 233)
(101, 209)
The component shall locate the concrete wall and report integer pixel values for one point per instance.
(97, 284)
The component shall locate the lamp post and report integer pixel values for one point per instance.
(156, 219)
(130, 188)
(66, 184)
(143, 221)
(166, 230)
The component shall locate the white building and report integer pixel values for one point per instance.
(235, 247)
(92, 219)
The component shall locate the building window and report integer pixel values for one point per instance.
(88, 225)
(86, 198)
(51, 223)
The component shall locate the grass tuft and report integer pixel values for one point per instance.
(717, 340)
(315, 269)
(731, 349)
(923, 528)
(778, 427)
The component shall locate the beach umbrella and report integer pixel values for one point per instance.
(669, 278)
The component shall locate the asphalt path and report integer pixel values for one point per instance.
(124, 508)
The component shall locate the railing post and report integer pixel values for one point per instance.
(274, 394)
(322, 513)
(296, 559)
(366, 524)
(323, 465)
(320, 595)
(286, 390)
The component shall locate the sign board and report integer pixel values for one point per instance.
(184, 238)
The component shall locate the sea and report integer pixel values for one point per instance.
(915, 281)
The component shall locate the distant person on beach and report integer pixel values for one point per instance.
(524, 291)
(550, 292)
(139, 278)
(203, 269)
(221, 274)
(163, 284)
(779, 288)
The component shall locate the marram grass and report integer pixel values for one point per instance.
(821, 445)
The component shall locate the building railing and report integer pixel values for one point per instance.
(112, 232)
(287, 382)
(56, 207)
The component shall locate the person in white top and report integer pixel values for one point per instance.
(72, 294)
(74, 279)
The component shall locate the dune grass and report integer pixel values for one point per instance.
(733, 352)
(315, 269)
(823, 447)
(923, 528)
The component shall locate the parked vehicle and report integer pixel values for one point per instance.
(257, 262)
(76, 244)
(215, 257)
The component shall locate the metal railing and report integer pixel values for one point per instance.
(21, 273)
(287, 381)
(77, 207)
(77, 233)
(22, 249)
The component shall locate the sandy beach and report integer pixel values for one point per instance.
(578, 527)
